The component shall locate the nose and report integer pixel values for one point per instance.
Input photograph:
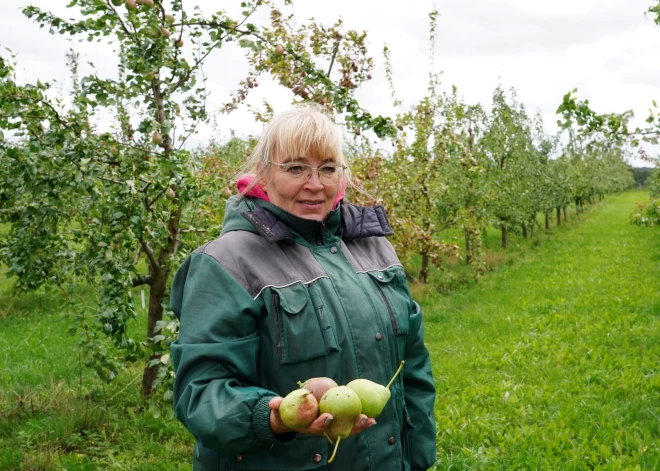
(314, 182)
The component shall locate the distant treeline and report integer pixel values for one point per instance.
(641, 175)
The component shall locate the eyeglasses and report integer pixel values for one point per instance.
(329, 174)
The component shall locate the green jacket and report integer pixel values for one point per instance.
(278, 299)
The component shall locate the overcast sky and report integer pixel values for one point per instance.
(544, 48)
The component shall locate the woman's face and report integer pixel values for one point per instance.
(310, 199)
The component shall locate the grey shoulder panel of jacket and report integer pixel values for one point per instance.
(256, 263)
(374, 253)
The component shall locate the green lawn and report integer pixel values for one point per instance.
(550, 362)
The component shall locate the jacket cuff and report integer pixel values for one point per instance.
(261, 425)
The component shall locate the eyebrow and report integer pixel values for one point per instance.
(304, 160)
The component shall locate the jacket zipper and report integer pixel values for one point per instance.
(276, 316)
(320, 233)
(389, 308)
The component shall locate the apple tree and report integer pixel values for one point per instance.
(119, 205)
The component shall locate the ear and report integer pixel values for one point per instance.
(264, 180)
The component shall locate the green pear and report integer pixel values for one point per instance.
(299, 409)
(345, 407)
(318, 386)
(372, 395)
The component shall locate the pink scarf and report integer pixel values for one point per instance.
(257, 192)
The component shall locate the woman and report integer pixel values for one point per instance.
(300, 284)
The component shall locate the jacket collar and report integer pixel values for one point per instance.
(348, 221)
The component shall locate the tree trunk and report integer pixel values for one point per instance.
(531, 231)
(577, 205)
(558, 216)
(547, 221)
(156, 294)
(159, 271)
(424, 272)
(504, 236)
(524, 230)
(468, 247)
(565, 214)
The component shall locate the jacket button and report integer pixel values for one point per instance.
(333, 249)
(379, 336)
(317, 458)
(391, 441)
(239, 458)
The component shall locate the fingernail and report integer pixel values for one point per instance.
(364, 421)
(372, 424)
(328, 420)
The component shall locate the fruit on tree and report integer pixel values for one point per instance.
(130, 5)
(156, 138)
(279, 50)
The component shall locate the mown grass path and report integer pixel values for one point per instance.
(553, 362)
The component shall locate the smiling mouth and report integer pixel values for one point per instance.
(310, 203)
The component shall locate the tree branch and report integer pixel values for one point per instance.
(123, 26)
(142, 280)
(334, 54)
(150, 254)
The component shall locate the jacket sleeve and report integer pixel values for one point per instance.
(419, 393)
(215, 358)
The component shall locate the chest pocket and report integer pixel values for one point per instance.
(392, 288)
(302, 329)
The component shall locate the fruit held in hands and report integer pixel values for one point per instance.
(345, 407)
(318, 386)
(372, 395)
(299, 409)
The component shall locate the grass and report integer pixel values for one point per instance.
(549, 362)
(54, 412)
(552, 362)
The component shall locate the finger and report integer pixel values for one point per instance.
(362, 424)
(275, 402)
(319, 425)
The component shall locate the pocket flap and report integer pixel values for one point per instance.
(294, 298)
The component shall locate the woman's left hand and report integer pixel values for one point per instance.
(319, 427)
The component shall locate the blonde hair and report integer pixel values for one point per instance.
(300, 130)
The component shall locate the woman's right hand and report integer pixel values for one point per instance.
(319, 427)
